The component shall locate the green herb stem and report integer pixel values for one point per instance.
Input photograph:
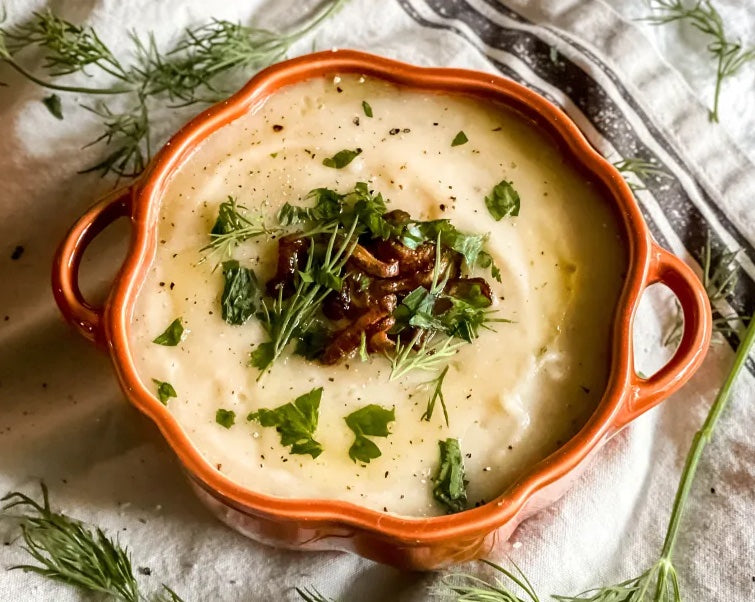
(61, 88)
(702, 438)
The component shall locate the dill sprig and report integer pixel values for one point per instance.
(283, 319)
(465, 587)
(641, 169)
(233, 227)
(189, 72)
(437, 394)
(720, 277)
(730, 55)
(68, 551)
(426, 355)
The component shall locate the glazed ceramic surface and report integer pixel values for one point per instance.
(329, 524)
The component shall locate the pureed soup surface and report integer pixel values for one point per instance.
(513, 395)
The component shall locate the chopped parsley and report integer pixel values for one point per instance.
(367, 108)
(53, 105)
(459, 139)
(341, 158)
(172, 335)
(503, 201)
(225, 418)
(370, 421)
(449, 486)
(164, 391)
(240, 293)
(296, 422)
(262, 356)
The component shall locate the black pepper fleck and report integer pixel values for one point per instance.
(17, 252)
(277, 128)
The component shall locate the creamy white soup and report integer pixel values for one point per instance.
(513, 394)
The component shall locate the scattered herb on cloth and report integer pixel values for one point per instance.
(68, 551)
(192, 71)
(730, 55)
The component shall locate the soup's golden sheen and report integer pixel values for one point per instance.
(513, 395)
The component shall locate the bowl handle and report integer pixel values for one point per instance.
(679, 277)
(65, 269)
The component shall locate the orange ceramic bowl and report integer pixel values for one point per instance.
(314, 524)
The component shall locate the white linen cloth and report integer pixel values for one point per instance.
(64, 419)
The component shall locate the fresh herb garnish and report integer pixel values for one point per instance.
(438, 335)
(449, 486)
(68, 551)
(437, 394)
(191, 71)
(370, 421)
(172, 335)
(225, 418)
(502, 201)
(367, 108)
(332, 225)
(730, 55)
(341, 158)
(241, 293)
(262, 356)
(312, 341)
(641, 169)
(466, 587)
(233, 227)
(363, 355)
(53, 105)
(720, 277)
(459, 139)
(285, 319)
(164, 391)
(296, 422)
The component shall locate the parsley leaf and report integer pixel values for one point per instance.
(225, 418)
(164, 391)
(503, 201)
(296, 422)
(449, 486)
(172, 335)
(240, 293)
(53, 105)
(262, 356)
(341, 158)
(367, 108)
(328, 206)
(371, 420)
(459, 139)
(312, 341)
(485, 260)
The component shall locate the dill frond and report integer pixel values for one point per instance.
(730, 55)
(465, 587)
(69, 552)
(720, 277)
(641, 169)
(188, 73)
